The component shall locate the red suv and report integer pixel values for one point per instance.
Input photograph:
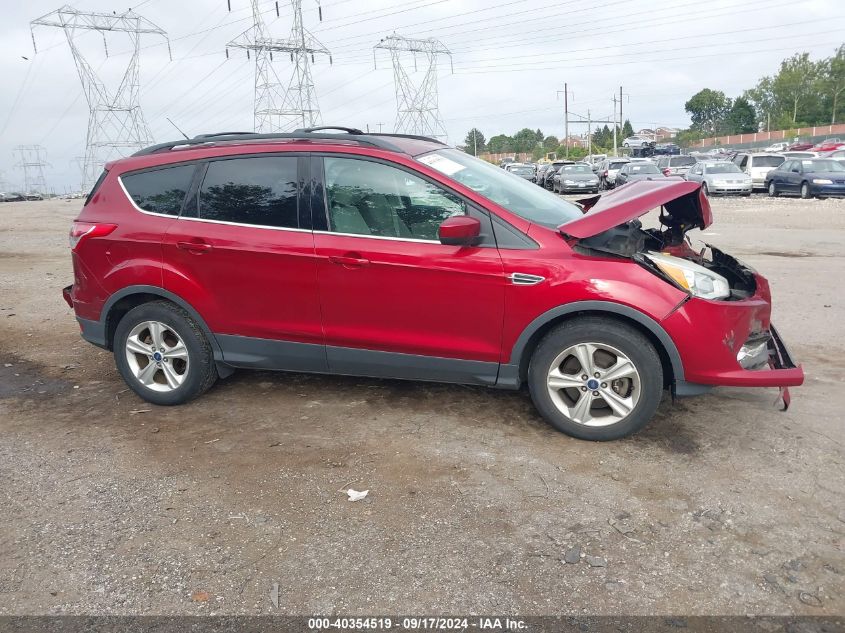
(397, 256)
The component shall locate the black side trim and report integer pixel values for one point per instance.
(94, 332)
(364, 362)
(259, 353)
(600, 306)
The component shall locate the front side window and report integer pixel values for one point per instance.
(259, 190)
(511, 192)
(160, 190)
(369, 198)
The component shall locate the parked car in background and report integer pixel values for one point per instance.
(815, 177)
(637, 141)
(608, 171)
(835, 155)
(507, 160)
(667, 149)
(594, 160)
(777, 147)
(548, 177)
(758, 166)
(675, 165)
(800, 146)
(523, 171)
(411, 272)
(720, 177)
(829, 145)
(638, 171)
(11, 197)
(800, 154)
(540, 175)
(578, 177)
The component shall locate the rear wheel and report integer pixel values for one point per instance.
(773, 190)
(596, 379)
(805, 190)
(162, 354)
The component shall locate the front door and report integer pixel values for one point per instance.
(240, 255)
(395, 301)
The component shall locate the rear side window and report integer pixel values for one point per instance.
(96, 187)
(160, 190)
(261, 191)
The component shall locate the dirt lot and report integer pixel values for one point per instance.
(723, 505)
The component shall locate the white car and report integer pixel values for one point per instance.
(638, 142)
(758, 166)
(777, 147)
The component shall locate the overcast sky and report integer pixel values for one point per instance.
(510, 60)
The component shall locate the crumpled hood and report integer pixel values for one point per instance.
(685, 207)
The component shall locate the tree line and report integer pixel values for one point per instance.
(802, 93)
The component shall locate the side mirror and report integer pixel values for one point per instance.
(459, 230)
(795, 170)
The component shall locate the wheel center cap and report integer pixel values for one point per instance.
(157, 357)
(592, 383)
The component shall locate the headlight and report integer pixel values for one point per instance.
(569, 182)
(697, 280)
(822, 181)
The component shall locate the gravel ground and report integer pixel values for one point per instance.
(723, 505)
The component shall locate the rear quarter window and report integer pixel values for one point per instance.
(160, 190)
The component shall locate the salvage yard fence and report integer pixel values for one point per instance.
(816, 133)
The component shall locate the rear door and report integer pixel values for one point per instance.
(242, 254)
(394, 300)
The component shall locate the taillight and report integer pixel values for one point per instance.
(667, 171)
(88, 229)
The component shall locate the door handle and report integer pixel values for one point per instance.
(349, 261)
(194, 247)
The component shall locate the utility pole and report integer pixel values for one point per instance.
(280, 108)
(116, 125)
(565, 116)
(417, 110)
(475, 142)
(589, 134)
(615, 150)
(620, 110)
(32, 163)
(379, 127)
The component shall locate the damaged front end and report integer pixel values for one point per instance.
(728, 304)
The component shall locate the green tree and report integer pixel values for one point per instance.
(762, 97)
(794, 84)
(627, 129)
(833, 81)
(550, 143)
(708, 109)
(741, 118)
(474, 142)
(500, 144)
(525, 140)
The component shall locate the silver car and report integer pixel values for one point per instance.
(608, 171)
(758, 166)
(720, 177)
(675, 165)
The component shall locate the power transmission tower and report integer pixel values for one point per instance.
(279, 108)
(115, 121)
(417, 110)
(32, 163)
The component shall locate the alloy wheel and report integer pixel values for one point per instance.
(594, 384)
(157, 356)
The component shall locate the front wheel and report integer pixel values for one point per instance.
(163, 355)
(596, 379)
(773, 190)
(805, 191)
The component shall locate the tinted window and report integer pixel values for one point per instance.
(787, 165)
(160, 190)
(368, 198)
(616, 165)
(259, 190)
(643, 168)
(681, 161)
(767, 161)
(576, 169)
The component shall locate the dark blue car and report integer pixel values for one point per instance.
(807, 177)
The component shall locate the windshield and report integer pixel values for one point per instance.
(643, 168)
(818, 166)
(682, 160)
(617, 165)
(522, 170)
(723, 168)
(767, 161)
(515, 194)
(576, 169)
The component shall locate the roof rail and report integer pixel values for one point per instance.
(349, 134)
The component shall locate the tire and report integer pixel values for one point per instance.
(773, 190)
(182, 373)
(643, 392)
(805, 191)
